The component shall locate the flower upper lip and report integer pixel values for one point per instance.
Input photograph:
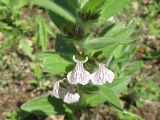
(78, 74)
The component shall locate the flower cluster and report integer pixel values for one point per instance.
(81, 76)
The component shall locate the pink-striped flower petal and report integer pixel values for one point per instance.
(58, 92)
(102, 75)
(71, 98)
(68, 95)
(79, 74)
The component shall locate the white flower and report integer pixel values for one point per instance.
(79, 74)
(58, 92)
(68, 95)
(71, 98)
(102, 75)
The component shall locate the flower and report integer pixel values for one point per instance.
(71, 98)
(68, 95)
(79, 74)
(58, 92)
(102, 75)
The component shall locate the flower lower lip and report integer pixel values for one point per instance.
(68, 95)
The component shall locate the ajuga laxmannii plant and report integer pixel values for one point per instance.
(102, 51)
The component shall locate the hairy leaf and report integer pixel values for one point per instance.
(53, 63)
(119, 30)
(101, 42)
(68, 7)
(119, 84)
(92, 5)
(64, 46)
(94, 95)
(27, 49)
(57, 9)
(44, 105)
(110, 7)
(42, 34)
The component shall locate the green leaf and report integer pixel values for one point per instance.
(42, 34)
(119, 30)
(94, 95)
(70, 8)
(118, 52)
(112, 30)
(37, 70)
(27, 49)
(110, 96)
(64, 46)
(110, 38)
(133, 67)
(111, 7)
(119, 84)
(124, 53)
(53, 63)
(127, 31)
(50, 29)
(57, 9)
(92, 5)
(44, 105)
(91, 99)
(101, 42)
(108, 50)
